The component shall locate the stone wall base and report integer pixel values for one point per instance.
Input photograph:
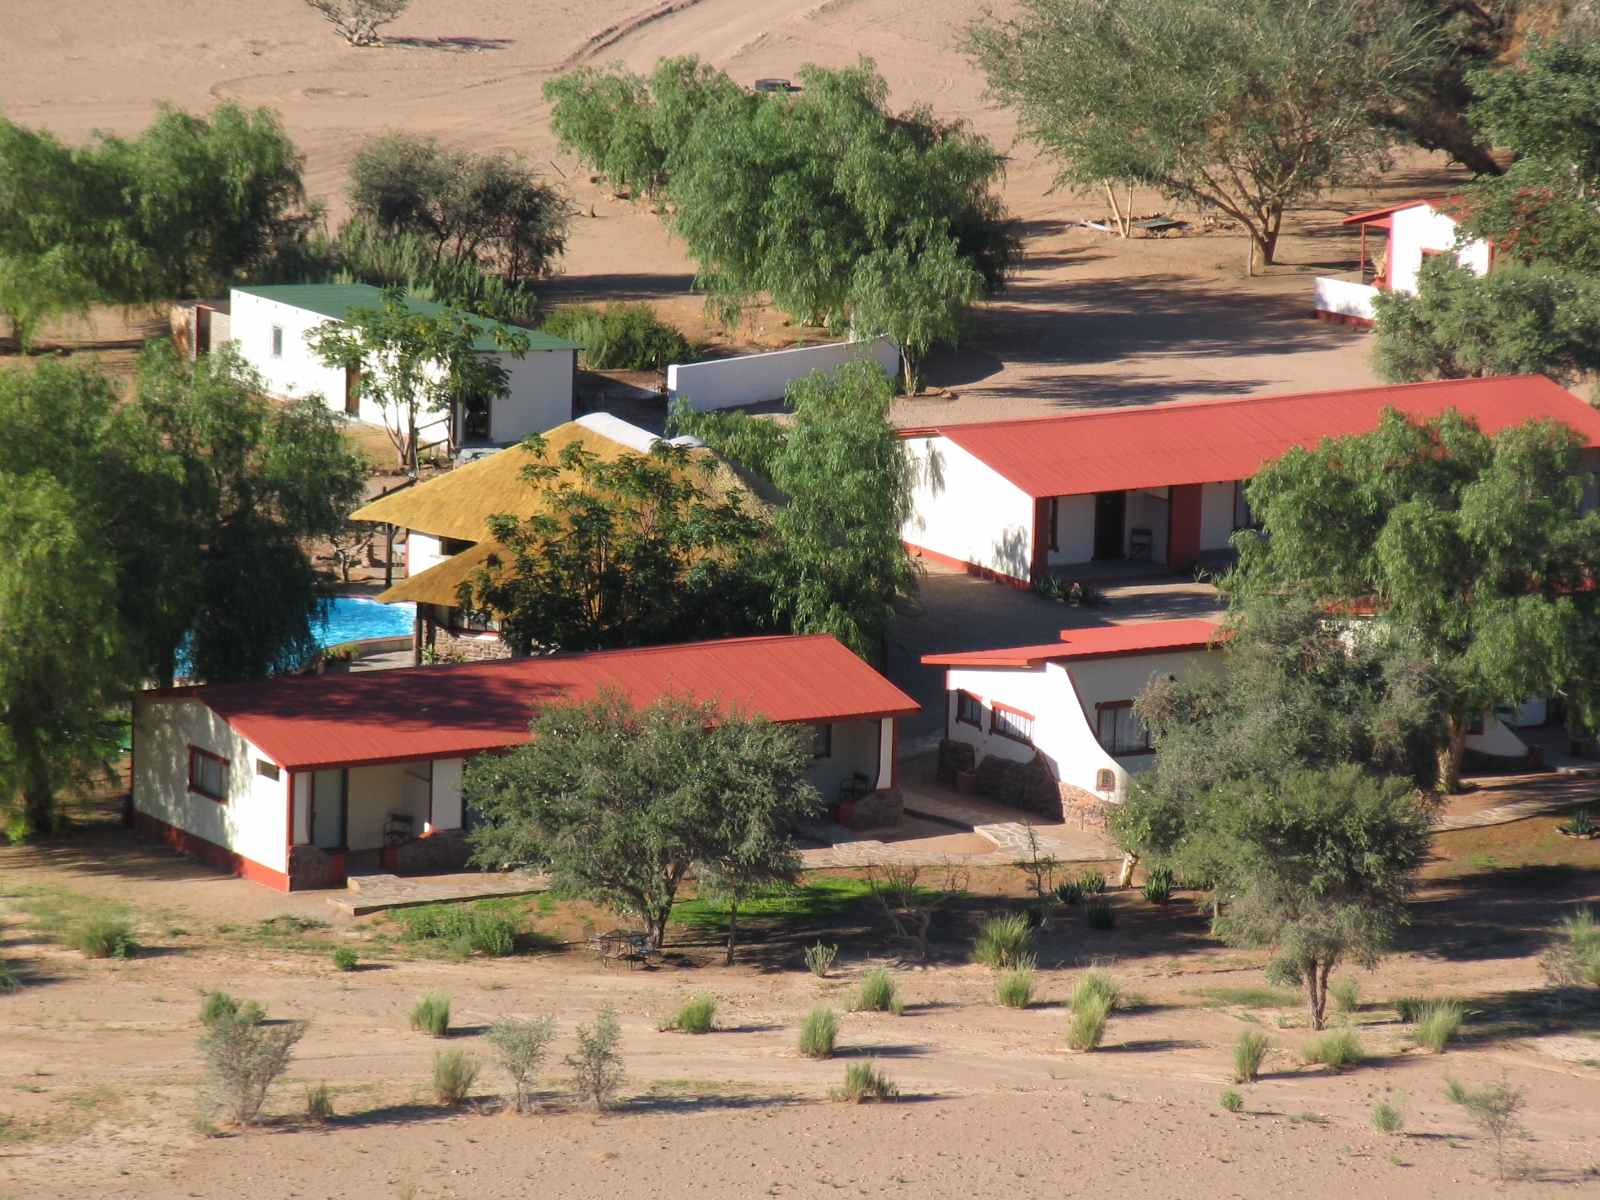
(471, 648)
(875, 810)
(312, 867)
(445, 850)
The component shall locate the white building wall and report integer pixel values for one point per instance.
(372, 793)
(963, 509)
(1413, 230)
(757, 378)
(855, 751)
(1497, 739)
(540, 395)
(1216, 515)
(423, 550)
(1074, 530)
(252, 823)
(446, 793)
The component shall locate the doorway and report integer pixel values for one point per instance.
(1110, 516)
(329, 810)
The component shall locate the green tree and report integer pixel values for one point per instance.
(1319, 867)
(1245, 106)
(1478, 554)
(358, 21)
(836, 564)
(413, 361)
(619, 804)
(637, 551)
(918, 297)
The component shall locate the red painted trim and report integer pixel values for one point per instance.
(149, 828)
(288, 832)
(1039, 563)
(1343, 319)
(959, 564)
(194, 788)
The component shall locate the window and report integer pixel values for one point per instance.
(277, 341)
(1119, 730)
(1243, 518)
(267, 769)
(969, 709)
(1011, 723)
(822, 746)
(208, 774)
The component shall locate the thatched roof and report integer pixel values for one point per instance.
(441, 583)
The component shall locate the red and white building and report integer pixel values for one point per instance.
(1161, 484)
(1395, 241)
(292, 782)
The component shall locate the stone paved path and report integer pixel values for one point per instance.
(1527, 796)
(375, 893)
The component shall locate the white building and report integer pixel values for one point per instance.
(1411, 233)
(268, 326)
(1161, 484)
(294, 782)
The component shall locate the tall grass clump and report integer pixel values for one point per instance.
(1409, 1008)
(219, 1006)
(1573, 957)
(1437, 1023)
(319, 1103)
(698, 1014)
(1232, 1100)
(1346, 993)
(1249, 1050)
(818, 1032)
(432, 1014)
(877, 993)
(1002, 942)
(1338, 1049)
(1387, 1117)
(344, 959)
(597, 1064)
(8, 978)
(819, 959)
(1086, 1028)
(863, 1082)
(1158, 885)
(103, 937)
(1014, 988)
(522, 1045)
(1095, 984)
(243, 1060)
(486, 927)
(454, 1073)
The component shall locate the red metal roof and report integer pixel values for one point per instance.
(1217, 441)
(316, 721)
(1106, 641)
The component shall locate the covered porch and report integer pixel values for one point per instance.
(1135, 533)
(1347, 296)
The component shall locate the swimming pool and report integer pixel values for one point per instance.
(353, 618)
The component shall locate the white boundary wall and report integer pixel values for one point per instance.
(757, 378)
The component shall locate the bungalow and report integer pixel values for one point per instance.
(297, 782)
(1413, 232)
(1015, 500)
(1068, 704)
(268, 325)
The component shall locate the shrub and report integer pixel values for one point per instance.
(1494, 1110)
(1573, 958)
(1232, 1100)
(1249, 1050)
(1087, 1026)
(1346, 993)
(104, 937)
(1409, 1008)
(1002, 942)
(485, 927)
(626, 337)
(432, 1014)
(219, 1006)
(1014, 988)
(1069, 891)
(522, 1046)
(243, 1060)
(1096, 985)
(1388, 1118)
(454, 1073)
(1336, 1050)
(344, 959)
(8, 978)
(863, 1082)
(1099, 915)
(877, 994)
(819, 959)
(818, 1032)
(1091, 882)
(1437, 1023)
(1158, 885)
(319, 1103)
(698, 1014)
(597, 1065)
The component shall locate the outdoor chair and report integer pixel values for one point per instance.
(622, 945)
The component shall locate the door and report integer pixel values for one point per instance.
(1110, 515)
(352, 391)
(202, 329)
(328, 817)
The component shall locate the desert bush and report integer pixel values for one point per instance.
(1087, 1026)
(629, 337)
(1437, 1024)
(1337, 1050)
(243, 1060)
(463, 928)
(819, 959)
(863, 1082)
(454, 1073)
(1409, 1008)
(877, 993)
(1014, 988)
(1573, 957)
(1387, 1117)
(432, 1014)
(1158, 885)
(1095, 985)
(1091, 882)
(103, 937)
(698, 1014)
(522, 1045)
(1249, 1050)
(344, 959)
(1346, 993)
(1002, 941)
(818, 1032)
(319, 1103)
(1232, 1100)
(1099, 915)
(1494, 1110)
(8, 978)
(1069, 891)
(597, 1065)
(219, 1006)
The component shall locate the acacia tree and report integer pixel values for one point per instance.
(1244, 106)
(358, 21)
(1477, 553)
(619, 804)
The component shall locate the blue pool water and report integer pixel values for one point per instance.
(351, 618)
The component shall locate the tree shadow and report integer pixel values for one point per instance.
(707, 1102)
(886, 1050)
(459, 45)
(1150, 1045)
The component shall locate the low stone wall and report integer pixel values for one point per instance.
(875, 810)
(470, 648)
(446, 850)
(311, 867)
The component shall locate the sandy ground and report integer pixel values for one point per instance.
(1090, 320)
